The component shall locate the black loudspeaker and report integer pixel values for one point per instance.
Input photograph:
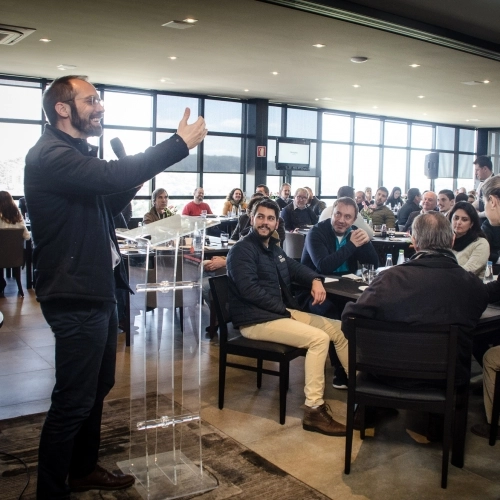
(431, 166)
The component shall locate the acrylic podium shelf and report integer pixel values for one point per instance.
(165, 273)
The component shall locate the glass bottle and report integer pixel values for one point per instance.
(401, 257)
(488, 274)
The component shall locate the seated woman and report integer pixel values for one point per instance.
(395, 202)
(160, 210)
(235, 200)
(243, 226)
(11, 218)
(471, 248)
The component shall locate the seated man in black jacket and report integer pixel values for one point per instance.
(262, 305)
(411, 205)
(335, 246)
(297, 214)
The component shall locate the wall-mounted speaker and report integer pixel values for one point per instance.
(431, 166)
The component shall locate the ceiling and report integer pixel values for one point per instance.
(237, 44)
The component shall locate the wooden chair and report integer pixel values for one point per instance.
(411, 352)
(241, 346)
(12, 253)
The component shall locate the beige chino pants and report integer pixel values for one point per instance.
(307, 331)
(491, 364)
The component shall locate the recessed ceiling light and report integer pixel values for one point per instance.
(356, 86)
(375, 107)
(467, 120)
(421, 96)
(326, 98)
(274, 73)
(63, 67)
(425, 114)
(190, 20)
(46, 40)
(245, 90)
(359, 59)
(316, 99)
(486, 81)
(173, 58)
(414, 65)
(179, 25)
(319, 45)
(474, 106)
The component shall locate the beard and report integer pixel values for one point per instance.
(264, 236)
(85, 125)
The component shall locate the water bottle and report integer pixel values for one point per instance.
(198, 246)
(488, 274)
(401, 257)
(388, 262)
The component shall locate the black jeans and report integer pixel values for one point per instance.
(85, 334)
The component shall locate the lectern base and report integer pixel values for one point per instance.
(167, 476)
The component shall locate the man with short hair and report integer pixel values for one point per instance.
(412, 205)
(429, 203)
(195, 207)
(262, 305)
(445, 201)
(381, 213)
(73, 196)
(336, 246)
(316, 205)
(483, 168)
(159, 199)
(359, 222)
(262, 188)
(297, 214)
(401, 293)
(284, 198)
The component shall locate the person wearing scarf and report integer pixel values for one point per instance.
(471, 248)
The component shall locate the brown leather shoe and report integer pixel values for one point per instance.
(101, 479)
(319, 420)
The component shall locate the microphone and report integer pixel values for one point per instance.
(118, 148)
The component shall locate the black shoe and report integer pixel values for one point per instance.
(340, 382)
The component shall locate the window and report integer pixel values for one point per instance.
(177, 183)
(417, 176)
(334, 168)
(301, 123)
(188, 164)
(222, 154)
(23, 103)
(366, 131)
(274, 121)
(421, 136)
(336, 128)
(126, 109)
(223, 116)
(467, 140)
(170, 109)
(394, 168)
(365, 167)
(445, 138)
(396, 134)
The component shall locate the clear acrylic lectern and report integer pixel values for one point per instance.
(165, 271)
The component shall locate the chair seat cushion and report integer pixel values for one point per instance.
(367, 384)
(241, 341)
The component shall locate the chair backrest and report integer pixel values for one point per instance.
(11, 247)
(402, 350)
(219, 286)
(294, 244)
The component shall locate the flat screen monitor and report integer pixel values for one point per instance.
(292, 154)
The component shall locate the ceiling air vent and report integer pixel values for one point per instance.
(9, 35)
(179, 25)
(474, 82)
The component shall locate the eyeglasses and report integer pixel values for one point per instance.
(93, 100)
(302, 197)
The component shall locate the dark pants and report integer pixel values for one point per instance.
(85, 334)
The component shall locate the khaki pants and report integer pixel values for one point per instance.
(491, 364)
(307, 331)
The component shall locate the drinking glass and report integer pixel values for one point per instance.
(224, 239)
(204, 214)
(368, 272)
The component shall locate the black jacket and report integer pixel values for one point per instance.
(73, 197)
(405, 211)
(256, 294)
(321, 254)
(429, 289)
(295, 219)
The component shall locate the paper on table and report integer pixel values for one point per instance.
(351, 276)
(330, 280)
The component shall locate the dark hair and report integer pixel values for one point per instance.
(346, 191)
(484, 161)
(8, 209)
(412, 192)
(157, 192)
(383, 189)
(60, 90)
(448, 193)
(231, 193)
(462, 197)
(253, 200)
(266, 203)
(266, 189)
(394, 189)
(475, 229)
(346, 200)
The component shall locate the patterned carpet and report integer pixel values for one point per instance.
(241, 473)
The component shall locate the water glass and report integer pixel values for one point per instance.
(377, 228)
(204, 214)
(368, 272)
(224, 239)
(391, 232)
